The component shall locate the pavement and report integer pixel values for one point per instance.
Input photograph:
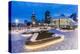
(70, 42)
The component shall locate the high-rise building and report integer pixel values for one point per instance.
(47, 17)
(25, 22)
(33, 18)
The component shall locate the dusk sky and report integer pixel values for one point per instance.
(23, 10)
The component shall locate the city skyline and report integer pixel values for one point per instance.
(23, 10)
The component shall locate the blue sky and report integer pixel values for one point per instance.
(23, 10)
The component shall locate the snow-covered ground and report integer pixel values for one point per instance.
(70, 42)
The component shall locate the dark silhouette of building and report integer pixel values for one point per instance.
(47, 17)
(28, 23)
(25, 22)
(33, 18)
(74, 16)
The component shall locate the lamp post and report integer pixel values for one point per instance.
(17, 22)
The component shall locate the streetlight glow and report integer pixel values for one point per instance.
(16, 21)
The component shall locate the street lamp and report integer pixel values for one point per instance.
(17, 22)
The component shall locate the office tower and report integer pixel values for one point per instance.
(47, 17)
(33, 18)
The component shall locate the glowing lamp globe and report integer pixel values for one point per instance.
(16, 21)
